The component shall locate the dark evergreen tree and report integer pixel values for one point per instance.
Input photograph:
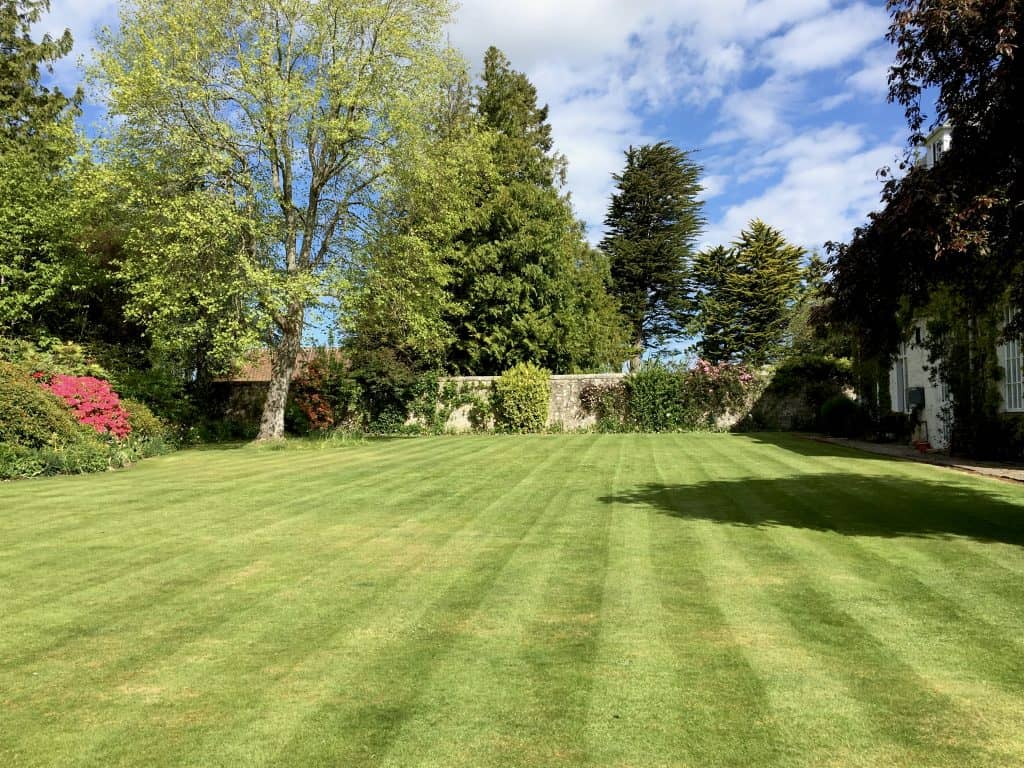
(523, 280)
(718, 304)
(36, 140)
(747, 296)
(653, 223)
(29, 111)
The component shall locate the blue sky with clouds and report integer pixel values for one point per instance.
(783, 99)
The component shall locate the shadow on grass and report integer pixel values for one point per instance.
(807, 445)
(845, 503)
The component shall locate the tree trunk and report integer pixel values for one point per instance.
(636, 361)
(283, 359)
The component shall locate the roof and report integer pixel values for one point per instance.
(257, 369)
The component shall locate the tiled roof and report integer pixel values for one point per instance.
(258, 367)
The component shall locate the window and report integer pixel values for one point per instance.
(1013, 371)
(899, 396)
(937, 150)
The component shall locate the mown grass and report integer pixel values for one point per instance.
(591, 600)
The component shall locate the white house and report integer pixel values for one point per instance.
(913, 387)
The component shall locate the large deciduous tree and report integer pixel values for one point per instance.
(946, 245)
(290, 110)
(653, 222)
(747, 295)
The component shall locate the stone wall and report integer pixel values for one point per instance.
(563, 409)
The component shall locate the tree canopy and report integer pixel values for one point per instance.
(747, 295)
(287, 110)
(653, 222)
(946, 245)
(525, 286)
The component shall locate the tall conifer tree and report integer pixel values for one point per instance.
(653, 223)
(526, 285)
(747, 295)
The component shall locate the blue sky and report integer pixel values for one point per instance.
(784, 100)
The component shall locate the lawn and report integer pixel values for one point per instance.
(590, 600)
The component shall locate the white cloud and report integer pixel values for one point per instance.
(827, 41)
(83, 18)
(872, 79)
(714, 185)
(603, 66)
(759, 114)
(827, 187)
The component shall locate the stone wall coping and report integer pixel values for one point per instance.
(555, 377)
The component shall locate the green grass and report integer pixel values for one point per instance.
(577, 600)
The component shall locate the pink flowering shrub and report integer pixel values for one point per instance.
(91, 401)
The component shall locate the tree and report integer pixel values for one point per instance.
(524, 284)
(747, 296)
(946, 244)
(36, 141)
(653, 223)
(400, 299)
(719, 306)
(29, 111)
(290, 110)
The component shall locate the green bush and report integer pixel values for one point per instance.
(40, 436)
(799, 389)
(52, 356)
(18, 461)
(32, 417)
(145, 423)
(608, 403)
(843, 417)
(521, 397)
(655, 398)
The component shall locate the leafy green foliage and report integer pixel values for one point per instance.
(51, 356)
(946, 246)
(747, 296)
(398, 296)
(32, 417)
(672, 398)
(653, 222)
(842, 416)
(281, 118)
(145, 424)
(521, 398)
(523, 282)
(30, 113)
(34, 240)
(326, 393)
(608, 403)
(799, 387)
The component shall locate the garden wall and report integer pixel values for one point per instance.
(564, 407)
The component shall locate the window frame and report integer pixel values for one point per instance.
(1012, 360)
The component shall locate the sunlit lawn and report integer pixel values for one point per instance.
(591, 600)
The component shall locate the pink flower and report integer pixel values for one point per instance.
(92, 402)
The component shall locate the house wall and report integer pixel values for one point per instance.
(914, 357)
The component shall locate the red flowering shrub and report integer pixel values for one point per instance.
(325, 394)
(92, 402)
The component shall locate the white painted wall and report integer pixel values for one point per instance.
(914, 356)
